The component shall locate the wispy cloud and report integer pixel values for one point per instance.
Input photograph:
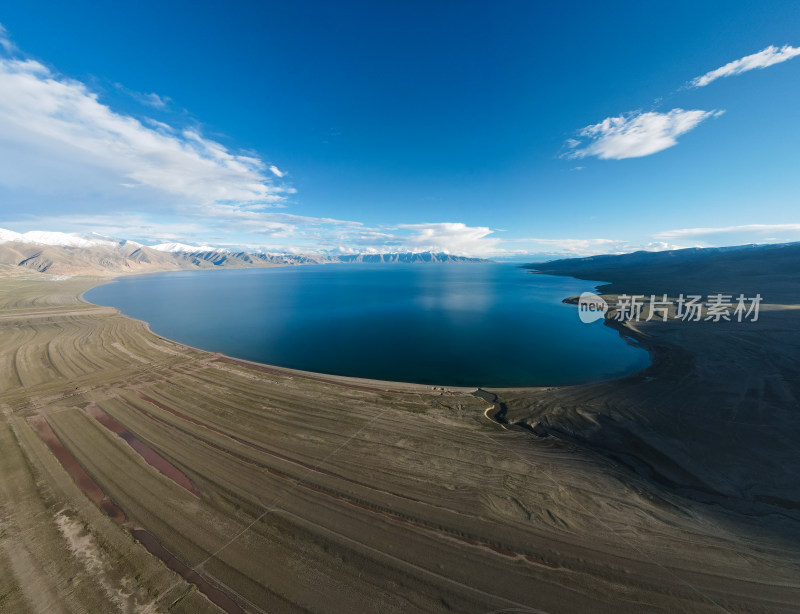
(236, 219)
(151, 100)
(573, 246)
(5, 41)
(635, 134)
(156, 101)
(337, 236)
(576, 248)
(122, 225)
(216, 225)
(745, 228)
(764, 58)
(63, 121)
(167, 182)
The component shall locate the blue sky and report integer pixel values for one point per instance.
(503, 129)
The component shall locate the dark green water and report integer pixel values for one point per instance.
(481, 324)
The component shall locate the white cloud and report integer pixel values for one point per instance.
(122, 225)
(151, 100)
(302, 234)
(575, 248)
(454, 238)
(638, 134)
(450, 237)
(154, 100)
(766, 57)
(745, 228)
(61, 122)
(276, 171)
(634, 135)
(5, 41)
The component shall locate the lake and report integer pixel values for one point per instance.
(459, 324)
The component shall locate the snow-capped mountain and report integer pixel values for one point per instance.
(183, 247)
(9, 235)
(94, 254)
(61, 239)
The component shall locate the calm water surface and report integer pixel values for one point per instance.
(476, 324)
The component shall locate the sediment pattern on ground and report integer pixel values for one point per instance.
(291, 493)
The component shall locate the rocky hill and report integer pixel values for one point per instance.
(68, 254)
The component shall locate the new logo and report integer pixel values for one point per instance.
(591, 307)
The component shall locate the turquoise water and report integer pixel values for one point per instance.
(477, 324)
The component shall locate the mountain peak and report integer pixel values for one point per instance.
(183, 247)
(95, 254)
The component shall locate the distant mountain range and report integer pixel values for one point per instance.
(738, 268)
(73, 254)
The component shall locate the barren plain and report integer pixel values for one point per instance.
(140, 475)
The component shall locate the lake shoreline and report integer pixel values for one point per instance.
(345, 479)
(344, 380)
(565, 354)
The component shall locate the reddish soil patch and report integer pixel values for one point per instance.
(340, 496)
(147, 539)
(215, 595)
(73, 467)
(153, 458)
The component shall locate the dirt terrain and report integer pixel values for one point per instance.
(177, 480)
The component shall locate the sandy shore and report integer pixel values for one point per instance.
(327, 494)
